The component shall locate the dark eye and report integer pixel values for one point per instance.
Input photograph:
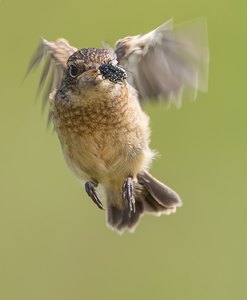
(73, 71)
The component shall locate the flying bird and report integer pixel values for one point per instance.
(95, 97)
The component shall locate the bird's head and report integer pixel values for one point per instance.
(90, 71)
(83, 66)
(90, 66)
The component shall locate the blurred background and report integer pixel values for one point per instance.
(54, 241)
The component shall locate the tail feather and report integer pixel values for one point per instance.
(151, 196)
(158, 191)
(121, 219)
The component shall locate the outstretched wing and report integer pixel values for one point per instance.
(55, 54)
(167, 63)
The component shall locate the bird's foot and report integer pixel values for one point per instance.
(90, 189)
(128, 194)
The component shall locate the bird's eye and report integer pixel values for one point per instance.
(73, 71)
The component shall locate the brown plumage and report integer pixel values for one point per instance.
(103, 131)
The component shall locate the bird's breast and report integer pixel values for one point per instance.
(104, 140)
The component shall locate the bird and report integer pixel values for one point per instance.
(96, 98)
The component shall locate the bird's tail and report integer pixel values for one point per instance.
(151, 196)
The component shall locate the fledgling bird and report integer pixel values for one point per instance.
(95, 97)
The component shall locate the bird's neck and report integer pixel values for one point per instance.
(107, 109)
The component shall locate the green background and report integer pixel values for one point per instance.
(54, 243)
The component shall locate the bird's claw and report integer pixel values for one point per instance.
(90, 189)
(128, 194)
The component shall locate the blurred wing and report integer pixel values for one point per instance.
(167, 63)
(55, 54)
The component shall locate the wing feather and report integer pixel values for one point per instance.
(55, 54)
(166, 62)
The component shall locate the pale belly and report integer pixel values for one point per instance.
(106, 158)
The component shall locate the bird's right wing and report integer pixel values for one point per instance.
(55, 55)
(167, 62)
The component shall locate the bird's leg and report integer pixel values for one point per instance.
(128, 194)
(90, 189)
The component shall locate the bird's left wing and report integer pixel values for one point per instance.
(55, 54)
(167, 62)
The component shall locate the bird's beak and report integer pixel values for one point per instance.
(89, 77)
(92, 73)
(95, 72)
